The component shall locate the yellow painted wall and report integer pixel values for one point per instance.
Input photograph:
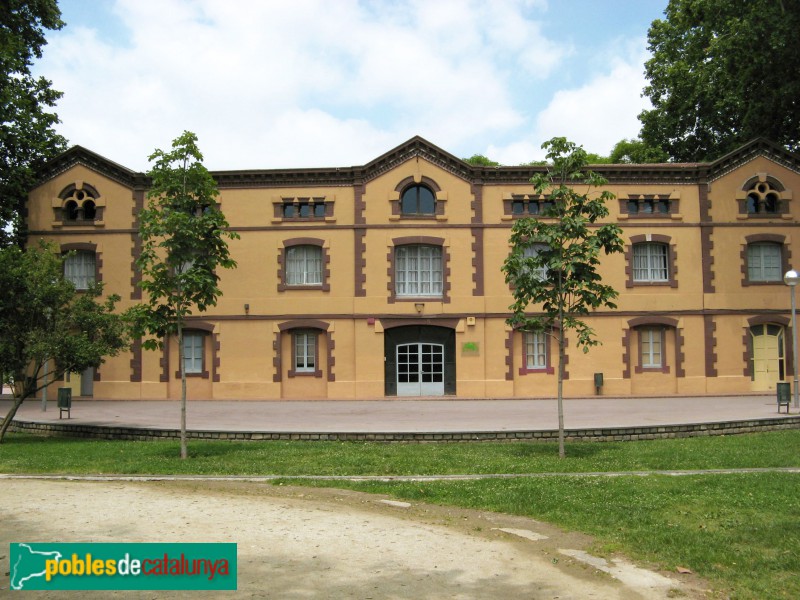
(252, 310)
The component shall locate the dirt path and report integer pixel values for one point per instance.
(304, 543)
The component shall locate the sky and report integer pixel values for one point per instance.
(269, 84)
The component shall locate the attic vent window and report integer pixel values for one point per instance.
(78, 204)
(763, 196)
(762, 199)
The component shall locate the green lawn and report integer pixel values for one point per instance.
(740, 531)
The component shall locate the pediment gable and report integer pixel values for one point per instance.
(78, 155)
(417, 147)
(745, 154)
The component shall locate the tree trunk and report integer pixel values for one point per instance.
(11, 414)
(561, 450)
(184, 449)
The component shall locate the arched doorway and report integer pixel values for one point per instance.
(420, 361)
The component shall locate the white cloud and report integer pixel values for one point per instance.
(317, 83)
(602, 112)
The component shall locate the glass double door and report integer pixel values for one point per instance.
(420, 369)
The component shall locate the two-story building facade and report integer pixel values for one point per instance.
(385, 280)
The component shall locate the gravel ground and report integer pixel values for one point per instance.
(300, 543)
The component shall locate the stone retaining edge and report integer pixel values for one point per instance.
(604, 434)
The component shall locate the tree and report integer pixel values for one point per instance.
(596, 159)
(723, 72)
(183, 236)
(552, 264)
(27, 137)
(479, 160)
(43, 320)
(635, 151)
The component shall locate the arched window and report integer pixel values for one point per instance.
(89, 210)
(763, 196)
(762, 199)
(71, 210)
(79, 204)
(418, 200)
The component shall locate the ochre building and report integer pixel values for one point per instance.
(385, 279)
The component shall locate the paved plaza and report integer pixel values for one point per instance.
(413, 415)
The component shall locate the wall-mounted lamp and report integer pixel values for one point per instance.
(247, 309)
(420, 307)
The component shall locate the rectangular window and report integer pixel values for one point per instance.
(540, 271)
(193, 351)
(650, 262)
(764, 262)
(652, 342)
(304, 265)
(305, 351)
(79, 268)
(535, 350)
(418, 271)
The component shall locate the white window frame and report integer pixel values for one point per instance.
(764, 262)
(419, 271)
(535, 350)
(303, 265)
(650, 262)
(79, 268)
(652, 347)
(304, 351)
(193, 347)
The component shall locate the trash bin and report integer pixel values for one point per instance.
(64, 402)
(598, 382)
(784, 393)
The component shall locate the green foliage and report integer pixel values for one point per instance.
(569, 248)
(184, 242)
(43, 318)
(479, 160)
(27, 137)
(723, 72)
(596, 159)
(636, 151)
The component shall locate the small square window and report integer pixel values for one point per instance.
(650, 262)
(304, 265)
(764, 262)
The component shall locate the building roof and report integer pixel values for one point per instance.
(678, 173)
